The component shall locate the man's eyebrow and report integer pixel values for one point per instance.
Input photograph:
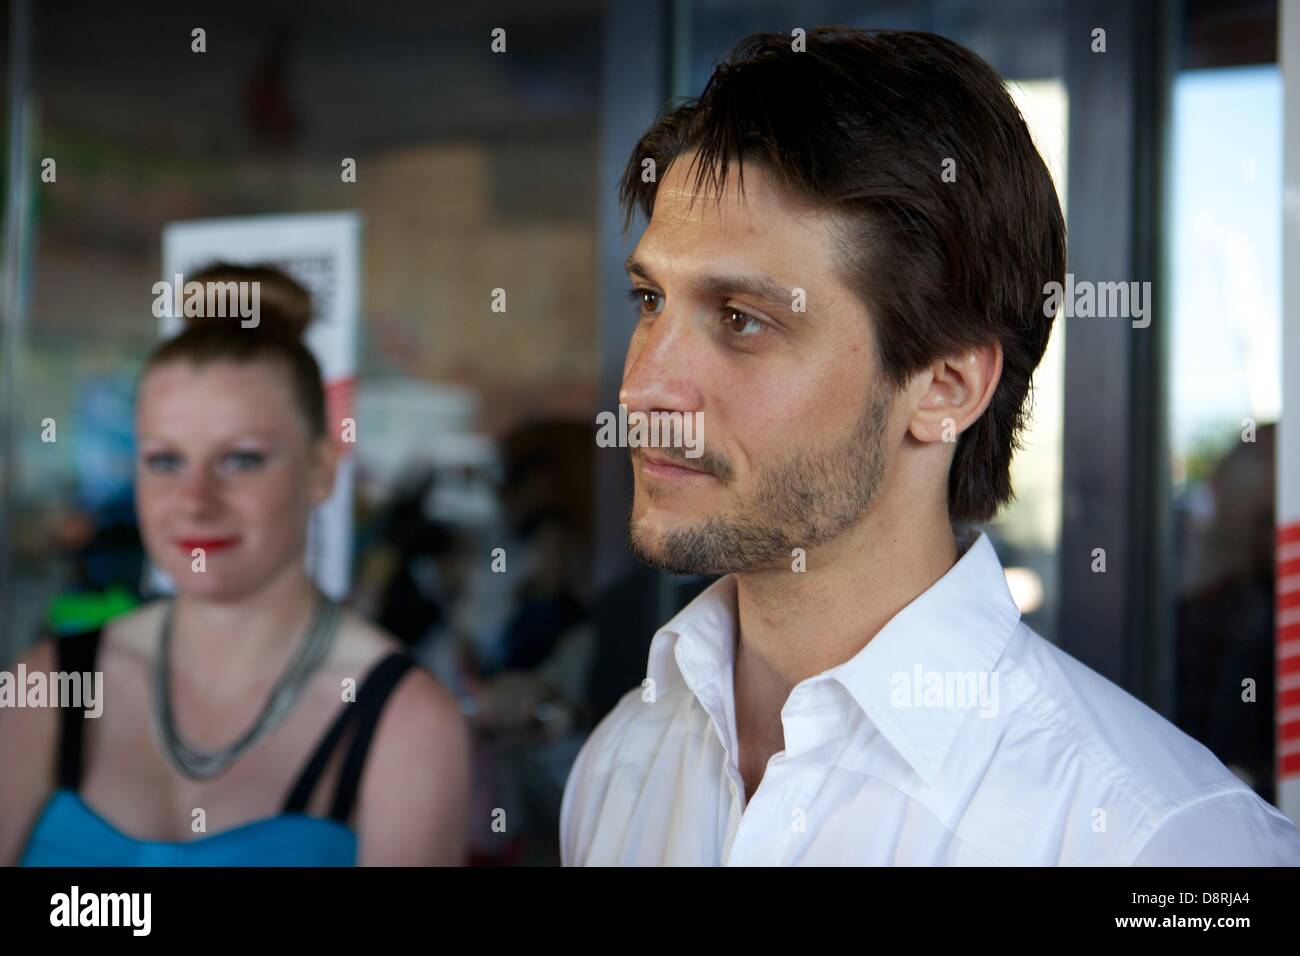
(757, 286)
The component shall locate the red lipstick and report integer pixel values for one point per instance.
(209, 545)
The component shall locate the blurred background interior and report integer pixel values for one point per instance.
(478, 170)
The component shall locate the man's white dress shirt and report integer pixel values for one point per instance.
(956, 736)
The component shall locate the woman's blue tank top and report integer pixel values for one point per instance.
(70, 833)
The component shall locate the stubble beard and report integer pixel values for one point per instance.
(803, 501)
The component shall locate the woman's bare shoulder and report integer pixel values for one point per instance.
(361, 644)
(128, 644)
(136, 632)
(124, 638)
(415, 790)
(24, 727)
(133, 635)
(418, 702)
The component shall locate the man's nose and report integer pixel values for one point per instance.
(662, 367)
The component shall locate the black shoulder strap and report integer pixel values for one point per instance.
(364, 711)
(76, 654)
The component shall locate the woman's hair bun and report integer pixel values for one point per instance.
(284, 304)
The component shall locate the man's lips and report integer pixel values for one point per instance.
(666, 468)
(208, 545)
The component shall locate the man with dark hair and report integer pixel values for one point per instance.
(843, 276)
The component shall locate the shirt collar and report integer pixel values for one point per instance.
(698, 646)
(960, 625)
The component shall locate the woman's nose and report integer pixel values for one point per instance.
(199, 493)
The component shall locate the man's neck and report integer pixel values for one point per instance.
(792, 625)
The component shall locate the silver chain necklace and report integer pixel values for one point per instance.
(202, 765)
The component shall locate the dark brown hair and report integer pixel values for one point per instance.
(863, 124)
(284, 312)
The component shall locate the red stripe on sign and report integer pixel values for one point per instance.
(1288, 765)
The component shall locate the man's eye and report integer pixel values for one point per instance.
(650, 302)
(741, 324)
(244, 460)
(162, 462)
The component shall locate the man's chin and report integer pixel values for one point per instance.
(656, 555)
(711, 547)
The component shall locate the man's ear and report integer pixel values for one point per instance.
(954, 391)
(325, 453)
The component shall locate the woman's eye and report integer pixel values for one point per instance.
(244, 460)
(741, 324)
(162, 462)
(650, 302)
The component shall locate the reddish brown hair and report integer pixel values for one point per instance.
(284, 312)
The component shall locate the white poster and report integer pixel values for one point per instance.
(323, 252)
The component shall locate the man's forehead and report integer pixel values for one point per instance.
(683, 197)
(754, 205)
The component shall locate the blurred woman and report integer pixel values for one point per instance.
(249, 720)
